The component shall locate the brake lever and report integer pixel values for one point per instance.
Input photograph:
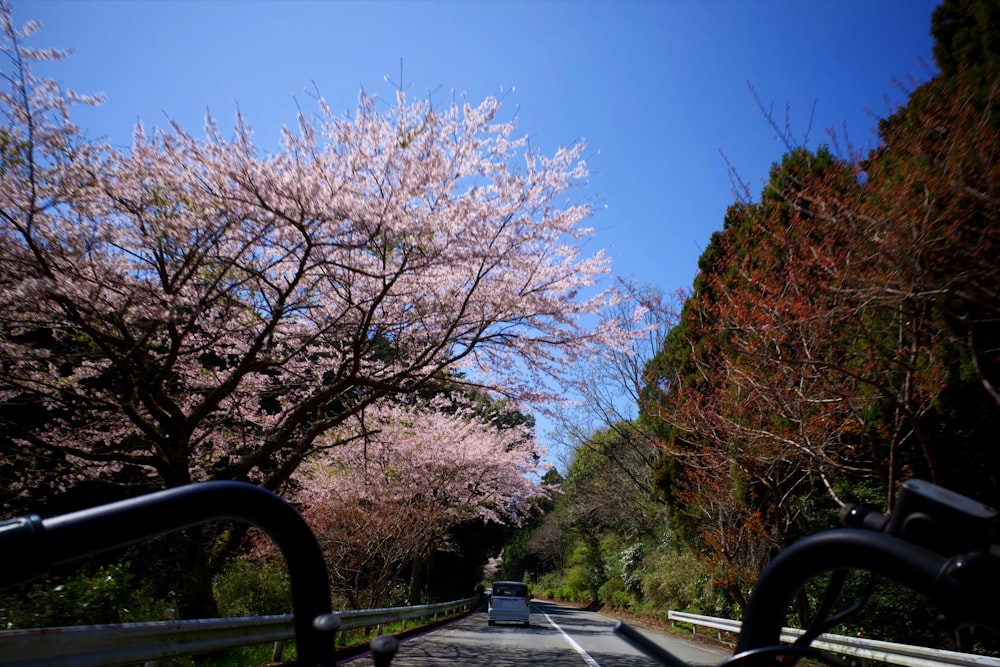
(951, 525)
(932, 517)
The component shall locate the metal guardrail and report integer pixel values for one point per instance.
(868, 649)
(132, 643)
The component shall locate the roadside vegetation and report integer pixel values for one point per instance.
(841, 337)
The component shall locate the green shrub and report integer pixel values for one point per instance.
(629, 562)
(253, 588)
(622, 600)
(576, 586)
(606, 594)
(550, 582)
(584, 576)
(109, 594)
(614, 593)
(673, 580)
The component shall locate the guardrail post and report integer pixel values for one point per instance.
(279, 649)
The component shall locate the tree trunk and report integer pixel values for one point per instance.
(418, 578)
(195, 598)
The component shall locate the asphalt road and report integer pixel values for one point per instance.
(558, 637)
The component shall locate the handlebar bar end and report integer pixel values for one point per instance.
(327, 622)
(383, 648)
(855, 516)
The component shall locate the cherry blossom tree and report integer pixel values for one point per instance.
(200, 308)
(213, 309)
(407, 474)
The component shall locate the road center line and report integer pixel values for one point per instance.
(576, 647)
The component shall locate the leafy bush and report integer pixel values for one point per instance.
(629, 562)
(615, 594)
(253, 588)
(673, 579)
(573, 594)
(608, 591)
(576, 585)
(622, 600)
(109, 594)
(550, 581)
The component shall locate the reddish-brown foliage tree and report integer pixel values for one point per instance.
(846, 327)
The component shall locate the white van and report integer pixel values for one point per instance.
(509, 602)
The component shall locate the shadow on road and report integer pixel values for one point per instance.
(471, 642)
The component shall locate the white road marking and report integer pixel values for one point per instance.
(576, 647)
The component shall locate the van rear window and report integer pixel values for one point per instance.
(510, 590)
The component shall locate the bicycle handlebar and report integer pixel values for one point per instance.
(35, 545)
(937, 543)
(914, 567)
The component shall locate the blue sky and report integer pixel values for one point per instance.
(655, 88)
